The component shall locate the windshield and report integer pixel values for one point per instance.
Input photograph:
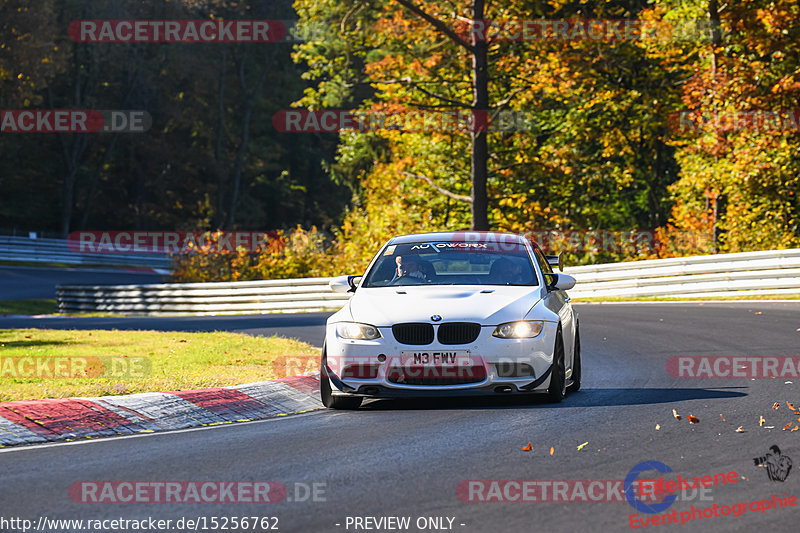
(452, 263)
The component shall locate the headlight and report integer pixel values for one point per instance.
(524, 329)
(353, 330)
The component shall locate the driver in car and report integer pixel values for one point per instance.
(506, 272)
(409, 266)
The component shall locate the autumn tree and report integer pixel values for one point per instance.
(739, 138)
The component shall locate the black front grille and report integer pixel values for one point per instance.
(417, 375)
(459, 332)
(417, 333)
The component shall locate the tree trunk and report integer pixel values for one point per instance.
(250, 98)
(67, 194)
(716, 42)
(480, 103)
(108, 156)
(239, 165)
(219, 165)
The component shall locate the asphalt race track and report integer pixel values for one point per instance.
(17, 283)
(407, 459)
(307, 327)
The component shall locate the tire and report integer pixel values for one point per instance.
(326, 393)
(575, 384)
(557, 389)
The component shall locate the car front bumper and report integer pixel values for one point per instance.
(370, 367)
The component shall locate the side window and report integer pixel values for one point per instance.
(542, 260)
(545, 266)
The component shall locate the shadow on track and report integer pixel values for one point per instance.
(583, 399)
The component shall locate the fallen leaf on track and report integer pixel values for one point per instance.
(793, 429)
(761, 420)
(658, 426)
(552, 449)
(722, 417)
(776, 405)
(693, 419)
(528, 448)
(787, 426)
(676, 415)
(582, 445)
(739, 430)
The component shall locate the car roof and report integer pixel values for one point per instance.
(460, 236)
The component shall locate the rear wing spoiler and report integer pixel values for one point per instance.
(556, 261)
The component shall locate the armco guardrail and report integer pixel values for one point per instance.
(770, 272)
(56, 251)
(740, 274)
(268, 296)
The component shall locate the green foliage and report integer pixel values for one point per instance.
(182, 173)
(752, 168)
(290, 254)
(595, 146)
(598, 147)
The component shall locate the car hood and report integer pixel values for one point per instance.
(489, 305)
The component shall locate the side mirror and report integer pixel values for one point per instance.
(345, 283)
(556, 261)
(560, 282)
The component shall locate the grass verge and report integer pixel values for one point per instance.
(45, 363)
(27, 307)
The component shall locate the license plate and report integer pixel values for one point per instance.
(436, 358)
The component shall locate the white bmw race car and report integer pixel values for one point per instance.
(452, 314)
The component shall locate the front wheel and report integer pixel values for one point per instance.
(557, 389)
(326, 393)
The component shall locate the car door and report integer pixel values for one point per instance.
(559, 302)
